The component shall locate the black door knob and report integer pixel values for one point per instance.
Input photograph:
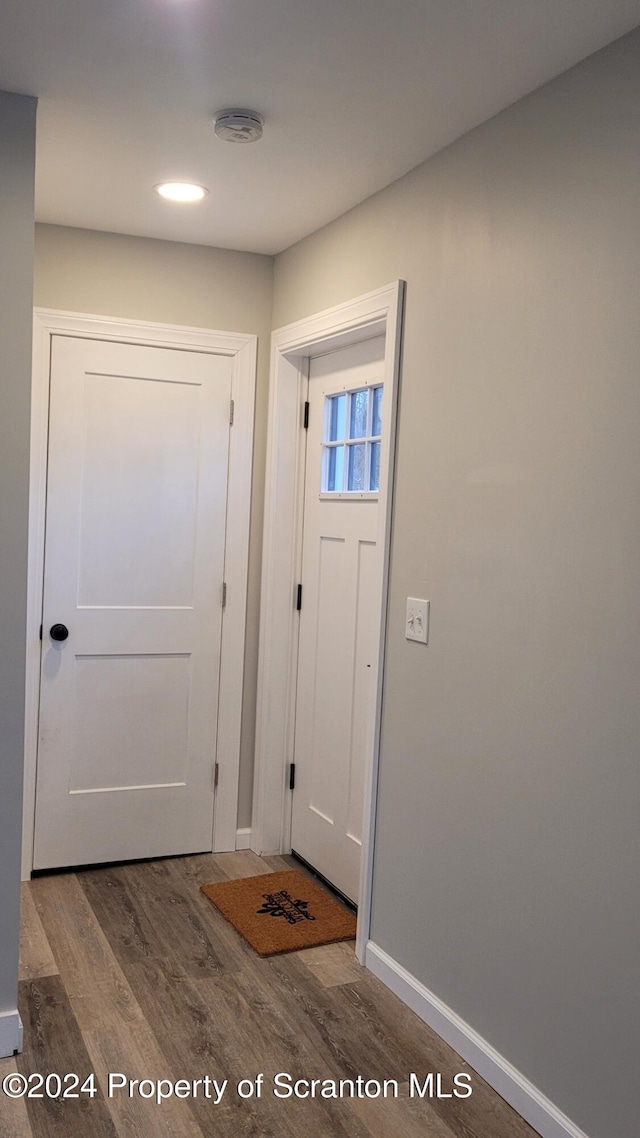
(58, 632)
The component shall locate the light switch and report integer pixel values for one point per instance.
(417, 621)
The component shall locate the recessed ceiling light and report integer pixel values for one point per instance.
(181, 191)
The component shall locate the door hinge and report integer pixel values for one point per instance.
(41, 632)
(224, 594)
(292, 775)
(305, 422)
(216, 775)
(299, 598)
(231, 412)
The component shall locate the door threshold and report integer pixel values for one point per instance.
(111, 864)
(325, 881)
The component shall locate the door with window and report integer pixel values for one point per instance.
(134, 558)
(340, 607)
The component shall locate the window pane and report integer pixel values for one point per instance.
(337, 417)
(358, 417)
(356, 467)
(374, 467)
(376, 421)
(335, 468)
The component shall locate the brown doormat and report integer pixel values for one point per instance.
(282, 912)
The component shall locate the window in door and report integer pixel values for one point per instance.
(351, 443)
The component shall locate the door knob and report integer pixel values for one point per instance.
(58, 632)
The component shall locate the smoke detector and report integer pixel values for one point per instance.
(236, 125)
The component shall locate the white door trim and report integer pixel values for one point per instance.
(243, 351)
(370, 315)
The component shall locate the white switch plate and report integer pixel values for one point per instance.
(417, 622)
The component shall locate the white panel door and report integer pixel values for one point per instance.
(339, 619)
(134, 558)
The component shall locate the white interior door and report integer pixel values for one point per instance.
(339, 618)
(134, 559)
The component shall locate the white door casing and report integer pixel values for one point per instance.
(375, 314)
(232, 359)
(341, 601)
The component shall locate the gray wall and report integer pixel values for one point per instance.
(110, 275)
(17, 163)
(507, 855)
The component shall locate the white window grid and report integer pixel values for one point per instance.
(329, 444)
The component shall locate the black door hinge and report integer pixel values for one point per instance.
(216, 775)
(41, 632)
(305, 422)
(299, 598)
(232, 409)
(292, 775)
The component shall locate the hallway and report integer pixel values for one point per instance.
(130, 969)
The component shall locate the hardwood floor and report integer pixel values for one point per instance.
(131, 970)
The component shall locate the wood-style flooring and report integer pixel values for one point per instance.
(131, 970)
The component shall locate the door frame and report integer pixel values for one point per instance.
(375, 313)
(243, 351)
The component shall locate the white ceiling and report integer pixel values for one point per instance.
(354, 94)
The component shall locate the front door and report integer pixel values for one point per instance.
(134, 557)
(339, 618)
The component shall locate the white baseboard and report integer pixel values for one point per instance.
(529, 1102)
(243, 839)
(10, 1033)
